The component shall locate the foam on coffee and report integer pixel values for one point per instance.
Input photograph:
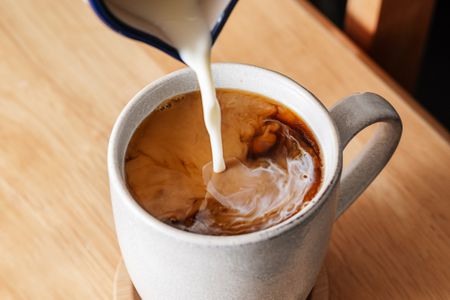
(273, 165)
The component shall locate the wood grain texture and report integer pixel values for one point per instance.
(64, 79)
(394, 33)
(361, 21)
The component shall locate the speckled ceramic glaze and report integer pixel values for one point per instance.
(281, 262)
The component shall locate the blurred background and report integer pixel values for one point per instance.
(407, 38)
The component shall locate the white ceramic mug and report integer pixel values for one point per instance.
(281, 262)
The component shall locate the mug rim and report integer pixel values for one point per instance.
(116, 179)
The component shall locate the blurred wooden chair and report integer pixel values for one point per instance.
(392, 32)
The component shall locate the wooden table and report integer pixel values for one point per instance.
(64, 77)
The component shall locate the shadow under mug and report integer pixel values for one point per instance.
(280, 262)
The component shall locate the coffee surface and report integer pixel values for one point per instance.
(273, 165)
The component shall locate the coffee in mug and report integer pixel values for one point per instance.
(279, 262)
(273, 164)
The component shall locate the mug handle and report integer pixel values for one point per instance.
(351, 115)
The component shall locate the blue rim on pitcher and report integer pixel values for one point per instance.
(102, 11)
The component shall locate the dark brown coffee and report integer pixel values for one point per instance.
(273, 165)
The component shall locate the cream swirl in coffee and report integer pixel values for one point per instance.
(273, 165)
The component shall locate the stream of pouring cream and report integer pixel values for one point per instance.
(184, 24)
